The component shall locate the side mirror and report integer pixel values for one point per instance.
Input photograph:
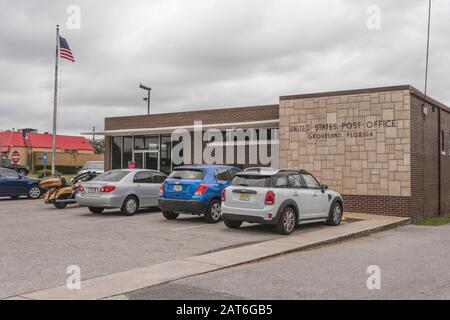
(323, 187)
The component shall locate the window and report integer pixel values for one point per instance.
(280, 181)
(158, 178)
(116, 153)
(139, 143)
(233, 172)
(222, 175)
(9, 174)
(165, 155)
(111, 176)
(152, 143)
(310, 181)
(146, 143)
(246, 180)
(127, 151)
(143, 177)
(190, 174)
(295, 181)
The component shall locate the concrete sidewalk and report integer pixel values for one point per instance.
(119, 283)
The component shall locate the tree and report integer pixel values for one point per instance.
(98, 144)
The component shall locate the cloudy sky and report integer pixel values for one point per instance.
(201, 54)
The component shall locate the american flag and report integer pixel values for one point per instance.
(64, 50)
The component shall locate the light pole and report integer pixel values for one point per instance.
(148, 97)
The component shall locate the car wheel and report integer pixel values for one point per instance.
(169, 215)
(287, 222)
(34, 192)
(232, 224)
(130, 206)
(214, 211)
(60, 205)
(96, 209)
(335, 215)
(23, 172)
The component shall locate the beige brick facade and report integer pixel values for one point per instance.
(358, 144)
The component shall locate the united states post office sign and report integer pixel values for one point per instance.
(342, 130)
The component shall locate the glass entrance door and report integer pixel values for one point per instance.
(138, 160)
(151, 160)
(146, 160)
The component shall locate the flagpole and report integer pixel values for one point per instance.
(55, 101)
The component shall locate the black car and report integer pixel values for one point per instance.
(7, 163)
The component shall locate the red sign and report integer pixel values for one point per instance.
(15, 157)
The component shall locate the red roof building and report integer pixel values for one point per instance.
(44, 141)
(28, 148)
(10, 139)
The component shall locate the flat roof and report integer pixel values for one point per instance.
(345, 92)
(411, 89)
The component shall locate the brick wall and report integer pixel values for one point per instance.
(424, 159)
(429, 186)
(445, 163)
(382, 205)
(377, 164)
(225, 115)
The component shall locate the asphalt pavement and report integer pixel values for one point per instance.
(39, 242)
(413, 262)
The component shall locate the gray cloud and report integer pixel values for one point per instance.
(206, 54)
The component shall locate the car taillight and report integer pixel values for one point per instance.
(270, 197)
(107, 188)
(201, 189)
(224, 194)
(161, 188)
(80, 188)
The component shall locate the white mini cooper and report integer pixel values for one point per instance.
(284, 198)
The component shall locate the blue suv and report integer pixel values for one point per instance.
(195, 189)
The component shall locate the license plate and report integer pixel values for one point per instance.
(177, 188)
(244, 196)
(91, 190)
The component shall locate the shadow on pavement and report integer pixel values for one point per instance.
(116, 212)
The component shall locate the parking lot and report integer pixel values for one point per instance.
(39, 242)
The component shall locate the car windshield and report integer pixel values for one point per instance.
(93, 165)
(111, 176)
(189, 174)
(251, 181)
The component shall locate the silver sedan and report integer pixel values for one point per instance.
(128, 190)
